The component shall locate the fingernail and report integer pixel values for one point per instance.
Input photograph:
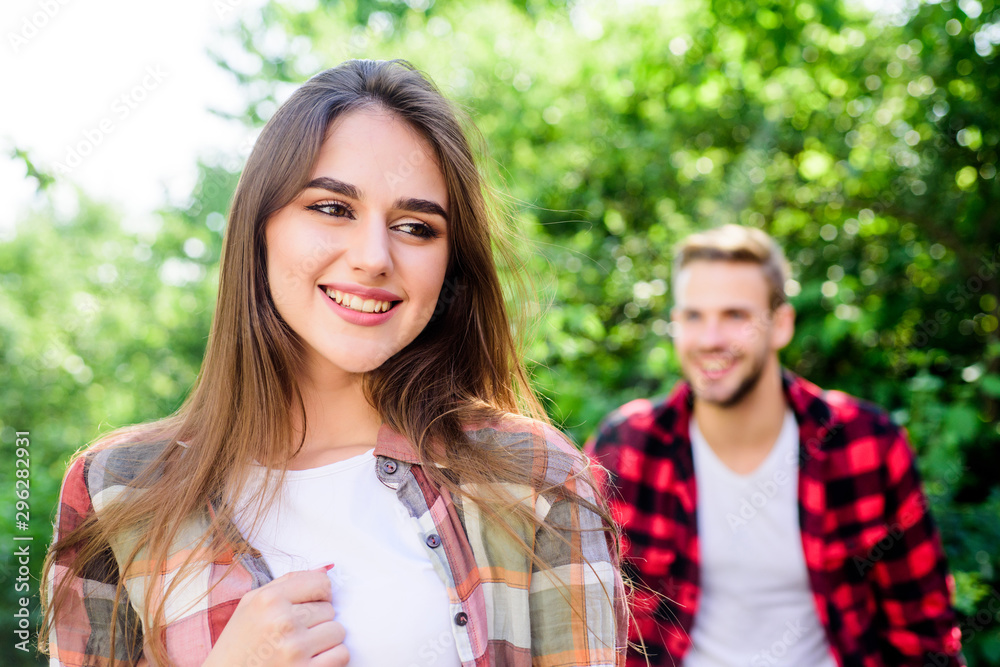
(327, 568)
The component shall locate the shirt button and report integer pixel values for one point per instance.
(433, 541)
(388, 466)
(461, 618)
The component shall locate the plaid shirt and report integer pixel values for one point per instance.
(505, 611)
(875, 562)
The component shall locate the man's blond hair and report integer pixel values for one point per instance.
(735, 243)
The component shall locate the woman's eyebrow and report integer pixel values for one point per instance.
(415, 205)
(412, 204)
(335, 186)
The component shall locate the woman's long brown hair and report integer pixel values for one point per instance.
(463, 369)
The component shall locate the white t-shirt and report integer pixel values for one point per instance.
(756, 607)
(392, 603)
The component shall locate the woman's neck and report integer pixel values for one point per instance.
(340, 423)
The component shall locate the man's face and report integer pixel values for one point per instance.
(725, 333)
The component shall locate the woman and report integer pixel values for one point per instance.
(353, 476)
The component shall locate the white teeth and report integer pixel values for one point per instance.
(355, 302)
(715, 366)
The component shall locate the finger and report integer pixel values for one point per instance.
(338, 656)
(309, 614)
(305, 586)
(324, 637)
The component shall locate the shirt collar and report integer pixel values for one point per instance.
(802, 396)
(394, 445)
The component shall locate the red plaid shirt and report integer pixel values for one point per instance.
(876, 566)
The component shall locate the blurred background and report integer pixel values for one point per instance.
(863, 136)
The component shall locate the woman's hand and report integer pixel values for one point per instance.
(288, 621)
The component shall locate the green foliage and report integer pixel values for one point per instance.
(868, 147)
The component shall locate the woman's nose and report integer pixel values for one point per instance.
(369, 248)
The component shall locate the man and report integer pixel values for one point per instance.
(768, 522)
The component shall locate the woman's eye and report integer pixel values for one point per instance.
(335, 209)
(418, 229)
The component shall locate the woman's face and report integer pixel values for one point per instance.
(356, 261)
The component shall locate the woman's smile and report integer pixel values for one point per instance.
(357, 309)
(354, 302)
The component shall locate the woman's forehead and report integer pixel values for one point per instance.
(380, 153)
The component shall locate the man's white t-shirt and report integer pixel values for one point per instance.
(392, 603)
(756, 607)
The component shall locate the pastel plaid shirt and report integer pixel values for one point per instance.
(875, 562)
(504, 610)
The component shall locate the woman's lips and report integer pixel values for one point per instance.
(358, 303)
(359, 317)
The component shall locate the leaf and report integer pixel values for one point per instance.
(990, 385)
(962, 422)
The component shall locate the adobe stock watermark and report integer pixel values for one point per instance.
(225, 7)
(959, 296)
(433, 650)
(301, 273)
(408, 165)
(752, 503)
(766, 489)
(450, 291)
(121, 108)
(982, 618)
(22, 520)
(34, 23)
(776, 652)
(896, 531)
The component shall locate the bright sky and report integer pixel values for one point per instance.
(117, 92)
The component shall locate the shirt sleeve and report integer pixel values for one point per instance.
(912, 581)
(80, 634)
(577, 600)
